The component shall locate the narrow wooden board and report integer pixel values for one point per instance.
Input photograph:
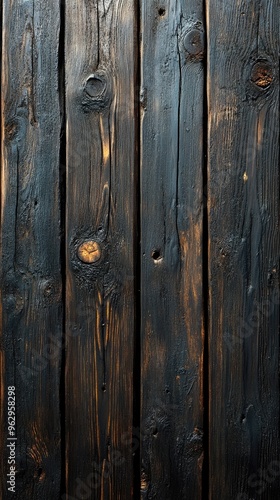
(243, 111)
(101, 67)
(171, 234)
(31, 322)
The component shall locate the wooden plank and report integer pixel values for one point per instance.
(101, 168)
(171, 234)
(243, 106)
(30, 246)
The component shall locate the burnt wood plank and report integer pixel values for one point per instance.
(101, 140)
(30, 245)
(172, 53)
(244, 248)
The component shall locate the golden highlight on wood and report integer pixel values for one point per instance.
(89, 252)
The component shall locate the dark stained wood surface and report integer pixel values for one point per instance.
(31, 327)
(243, 171)
(171, 235)
(101, 67)
(139, 302)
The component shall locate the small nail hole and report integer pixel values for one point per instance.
(103, 388)
(155, 432)
(156, 255)
(40, 473)
(161, 12)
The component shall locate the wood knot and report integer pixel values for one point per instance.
(194, 43)
(144, 481)
(262, 74)
(13, 302)
(50, 290)
(89, 252)
(11, 130)
(143, 98)
(96, 92)
(95, 86)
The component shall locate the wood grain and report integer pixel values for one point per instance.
(100, 310)
(244, 249)
(171, 234)
(108, 201)
(31, 326)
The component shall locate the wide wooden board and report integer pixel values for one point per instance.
(172, 80)
(244, 248)
(31, 310)
(101, 67)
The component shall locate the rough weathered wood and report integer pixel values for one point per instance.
(30, 244)
(100, 86)
(243, 96)
(171, 234)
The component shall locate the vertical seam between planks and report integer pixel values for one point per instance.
(279, 191)
(137, 254)
(178, 144)
(205, 270)
(62, 192)
(1, 333)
